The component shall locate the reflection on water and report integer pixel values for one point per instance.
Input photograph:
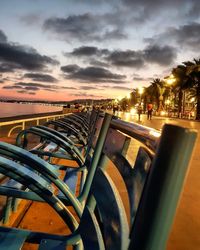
(15, 109)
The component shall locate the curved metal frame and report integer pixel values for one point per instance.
(57, 139)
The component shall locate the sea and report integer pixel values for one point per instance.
(18, 109)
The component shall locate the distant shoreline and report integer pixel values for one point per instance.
(19, 117)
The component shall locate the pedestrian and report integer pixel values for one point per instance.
(115, 108)
(139, 109)
(149, 111)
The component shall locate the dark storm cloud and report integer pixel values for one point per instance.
(6, 67)
(40, 77)
(62, 87)
(12, 87)
(99, 63)
(26, 92)
(95, 74)
(70, 68)
(86, 27)
(128, 58)
(22, 57)
(121, 87)
(3, 37)
(89, 88)
(146, 9)
(162, 55)
(88, 51)
(185, 36)
(32, 86)
(152, 53)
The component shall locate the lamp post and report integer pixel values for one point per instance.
(141, 91)
(170, 80)
(128, 97)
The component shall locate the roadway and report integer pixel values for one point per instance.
(185, 233)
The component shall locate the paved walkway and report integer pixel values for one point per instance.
(185, 234)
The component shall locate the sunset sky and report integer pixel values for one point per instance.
(71, 49)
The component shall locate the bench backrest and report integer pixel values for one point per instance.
(153, 186)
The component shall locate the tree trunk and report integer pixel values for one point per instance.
(180, 99)
(198, 102)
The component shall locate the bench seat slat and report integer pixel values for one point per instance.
(48, 244)
(12, 240)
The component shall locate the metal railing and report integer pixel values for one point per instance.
(147, 136)
(21, 123)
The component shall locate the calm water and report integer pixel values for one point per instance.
(15, 109)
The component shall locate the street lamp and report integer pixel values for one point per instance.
(128, 96)
(141, 91)
(170, 80)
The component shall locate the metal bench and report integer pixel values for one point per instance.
(153, 186)
(51, 172)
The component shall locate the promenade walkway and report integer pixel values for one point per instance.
(185, 234)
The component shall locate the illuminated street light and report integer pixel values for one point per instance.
(170, 79)
(141, 90)
(128, 96)
(119, 98)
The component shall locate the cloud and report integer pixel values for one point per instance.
(81, 94)
(128, 58)
(152, 53)
(31, 19)
(145, 10)
(99, 63)
(121, 88)
(94, 74)
(6, 67)
(22, 57)
(12, 87)
(162, 55)
(89, 88)
(70, 68)
(67, 87)
(40, 77)
(26, 92)
(88, 51)
(185, 36)
(34, 87)
(86, 27)
(3, 37)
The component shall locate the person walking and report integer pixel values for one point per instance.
(149, 111)
(139, 111)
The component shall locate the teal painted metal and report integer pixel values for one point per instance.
(96, 156)
(38, 185)
(58, 140)
(151, 184)
(163, 187)
(43, 168)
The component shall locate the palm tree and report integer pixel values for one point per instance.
(193, 72)
(181, 83)
(157, 90)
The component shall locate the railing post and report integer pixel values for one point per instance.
(23, 125)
